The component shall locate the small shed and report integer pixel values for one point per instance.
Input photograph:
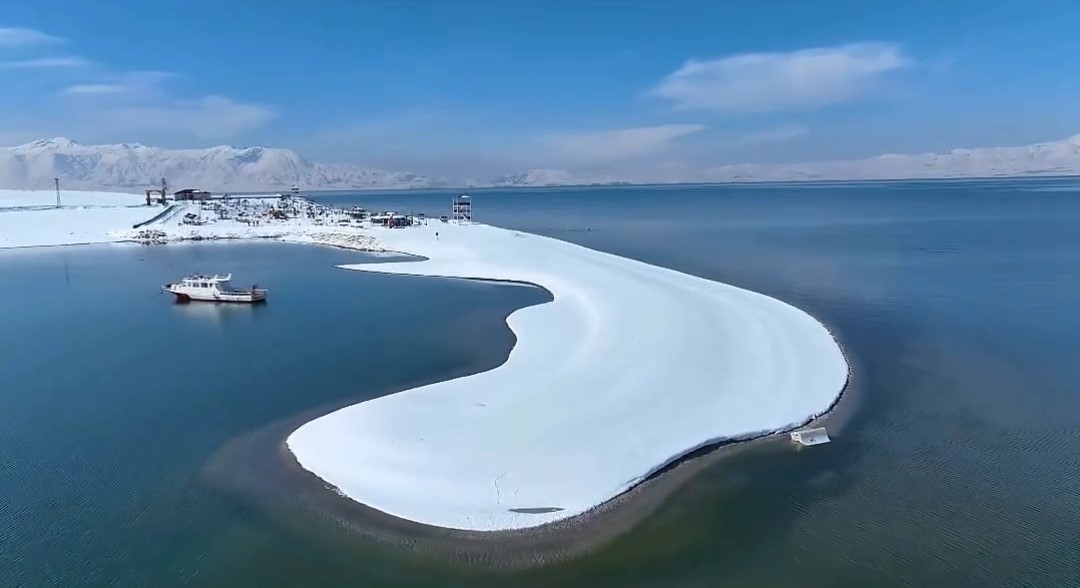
(810, 437)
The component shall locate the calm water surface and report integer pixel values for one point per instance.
(960, 465)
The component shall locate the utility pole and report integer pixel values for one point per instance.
(57, 180)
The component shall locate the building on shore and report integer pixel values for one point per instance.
(191, 194)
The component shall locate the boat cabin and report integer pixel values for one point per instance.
(219, 282)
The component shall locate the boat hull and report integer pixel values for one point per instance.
(254, 296)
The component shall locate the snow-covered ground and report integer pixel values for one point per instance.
(630, 367)
(66, 226)
(29, 218)
(323, 227)
(69, 199)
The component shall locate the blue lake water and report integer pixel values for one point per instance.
(959, 466)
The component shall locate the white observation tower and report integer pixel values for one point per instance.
(462, 209)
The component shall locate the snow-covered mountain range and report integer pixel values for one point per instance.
(1050, 158)
(1039, 159)
(132, 166)
(556, 177)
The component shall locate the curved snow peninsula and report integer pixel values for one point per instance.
(630, 367)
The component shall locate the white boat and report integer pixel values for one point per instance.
(213, 289)
(811, 437)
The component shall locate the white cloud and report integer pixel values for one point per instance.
(144, 85)
(96, 89)
(67, 61)
(765, 82)
(210, 117)
(137, 102)
(104, 102)
(775, 135)
(20, 36)
(608, 146)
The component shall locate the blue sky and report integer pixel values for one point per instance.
(478, 88)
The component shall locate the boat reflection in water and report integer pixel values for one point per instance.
(218, 313)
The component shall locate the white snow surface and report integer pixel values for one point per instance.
(30, 218)
(68, 198)
(630, 367)
(293, 230)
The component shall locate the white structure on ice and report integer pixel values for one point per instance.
(811, 437)
(630, 367)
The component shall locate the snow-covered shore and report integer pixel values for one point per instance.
(354, 238)
(322, 227)
(630, 367)
(39, 199)
(29, 218)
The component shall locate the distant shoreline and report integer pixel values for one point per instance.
(316, 192)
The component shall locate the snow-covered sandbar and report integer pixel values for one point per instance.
(630, 367)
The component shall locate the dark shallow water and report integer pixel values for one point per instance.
(960, 465)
